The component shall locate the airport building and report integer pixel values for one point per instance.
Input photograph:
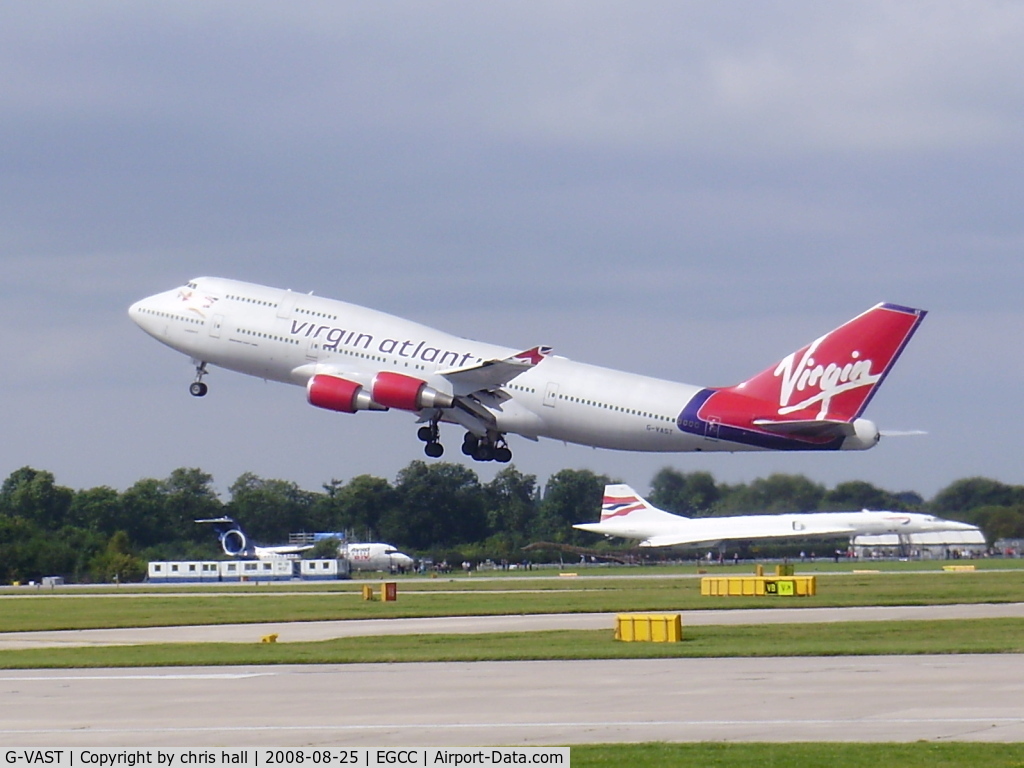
(937, 545)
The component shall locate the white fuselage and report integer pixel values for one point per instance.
(657, 526)
(290, 337)
(375, 557)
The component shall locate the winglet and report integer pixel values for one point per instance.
(532, 356)
(490, 374)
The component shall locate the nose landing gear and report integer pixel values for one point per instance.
(197, 388)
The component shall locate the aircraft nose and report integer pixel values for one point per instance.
(135, 311)
(144, 312)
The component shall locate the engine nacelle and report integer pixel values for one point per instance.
(337, 394)
(234, 542)
(396, 390)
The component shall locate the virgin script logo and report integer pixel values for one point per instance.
(820, 382)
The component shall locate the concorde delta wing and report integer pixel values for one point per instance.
(780, 529)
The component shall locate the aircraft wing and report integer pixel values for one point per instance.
(281, 551)
(781, 529)
(492, 374)
(671, 540)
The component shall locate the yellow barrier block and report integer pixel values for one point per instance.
(570, 575)
(958, 568)
(269, 638)
(649, 627)
(367, 592)
(758, 586)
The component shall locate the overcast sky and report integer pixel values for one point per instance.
(685, 190)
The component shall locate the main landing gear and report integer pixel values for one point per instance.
(197, 388)
(490, 448)
(430, 435)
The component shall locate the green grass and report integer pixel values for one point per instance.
(899, 584)
(799, 755)
(70, 609)
(843, 639)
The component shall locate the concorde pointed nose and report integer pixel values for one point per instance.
(942, 524)
(958, 526)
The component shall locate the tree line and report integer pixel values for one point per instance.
(441, 510)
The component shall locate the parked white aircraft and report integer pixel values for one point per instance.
(235, 543)
(350, 359)
(625, 514)
(372, 556)
(376, 557)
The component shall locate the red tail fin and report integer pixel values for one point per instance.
(835, 376)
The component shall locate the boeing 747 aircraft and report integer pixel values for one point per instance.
(351, 358)
(625, 514)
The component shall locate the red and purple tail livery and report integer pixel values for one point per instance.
(812, 396)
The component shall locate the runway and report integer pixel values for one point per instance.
(887, 698)
(310, 631)
(899, 698)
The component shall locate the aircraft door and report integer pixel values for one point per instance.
(216, 324)
(711, 427)
(313, 350)
(287, 304)
(551, 394)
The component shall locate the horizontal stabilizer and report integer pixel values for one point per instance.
(808, 427)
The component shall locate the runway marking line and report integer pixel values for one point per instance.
(567, 724)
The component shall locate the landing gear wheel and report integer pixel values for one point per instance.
(492, 447)
(427, 434)
(197, 388)
(433, 450)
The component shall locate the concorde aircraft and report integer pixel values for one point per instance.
(627, 515)
(351, 358)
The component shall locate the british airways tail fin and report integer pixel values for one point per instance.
(621, 501)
